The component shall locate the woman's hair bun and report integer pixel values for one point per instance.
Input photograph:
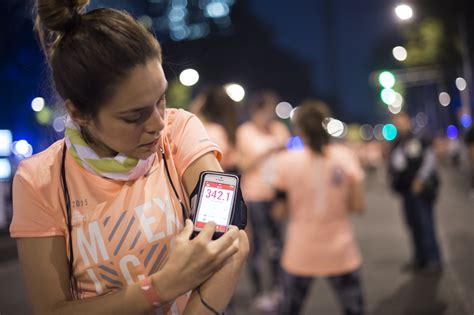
(60, 15)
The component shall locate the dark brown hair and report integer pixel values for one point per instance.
(261, 100)
(309, 118)
(91, 53)
(218, 107)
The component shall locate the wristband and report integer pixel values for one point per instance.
(149, 292)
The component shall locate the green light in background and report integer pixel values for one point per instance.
(389, 132)
(387, 79)
(44, 116)
(388, 96)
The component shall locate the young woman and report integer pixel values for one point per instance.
(218, 113)
(320, 185)
(99, 216)
(257, 140)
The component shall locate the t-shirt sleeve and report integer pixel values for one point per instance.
(189, 141)
(31, 217)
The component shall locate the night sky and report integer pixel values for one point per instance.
(338, 38)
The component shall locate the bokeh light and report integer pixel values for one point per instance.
(452, 132)
(189, 77)
(283, 110)
(5, 168)
(59, 124)
(421, 119)
(22, 148)
(388, 96)
(235, 91)
(444, 98)
(44, 116)
(37, 104)
(400, 53)
(217, 9)
(5, 142)
(335, 127)
(387, 79)
(295, 144)
(404, 12)
(466, 120)
(378, 134)
(461, 84)
(394, 109)
(389, 132)
(366, 132)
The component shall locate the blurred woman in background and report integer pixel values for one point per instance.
(218, 113)
(317, 187)
(256, 141)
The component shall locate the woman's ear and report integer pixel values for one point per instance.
(78, 117)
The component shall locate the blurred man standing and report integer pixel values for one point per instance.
(412, 170)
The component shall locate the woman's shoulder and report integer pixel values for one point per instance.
(41, 167)
(177, 115)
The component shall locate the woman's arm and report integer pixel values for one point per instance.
(219, 288)
(45, 270)
(356, 197)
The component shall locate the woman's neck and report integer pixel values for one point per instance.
(98, 147)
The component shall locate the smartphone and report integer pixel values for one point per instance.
(216, 199)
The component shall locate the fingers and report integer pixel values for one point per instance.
(207, 232)
(187, 230)
(226, 240)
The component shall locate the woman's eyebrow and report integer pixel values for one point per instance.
(142, 108)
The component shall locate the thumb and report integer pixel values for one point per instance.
(187, 230)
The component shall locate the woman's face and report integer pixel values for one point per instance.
(132, 120)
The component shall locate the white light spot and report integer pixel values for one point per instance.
(189, 77)
(59, 124)
(235, 91)
(461, 84)
(444, 98)
(400, 53)
(283, 110)
(5, 169)
(217, 9)
(404, 12)
(37, 104)
(335, 127)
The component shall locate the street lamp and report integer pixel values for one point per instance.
(404, 12)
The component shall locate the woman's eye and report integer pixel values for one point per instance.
(131, 121)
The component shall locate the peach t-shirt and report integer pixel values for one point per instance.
(319, 237)
(251, 143)
(122, 230)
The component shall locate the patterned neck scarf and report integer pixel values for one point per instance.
(121, 167)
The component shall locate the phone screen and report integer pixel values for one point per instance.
(215, 205)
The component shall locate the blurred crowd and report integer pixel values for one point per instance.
(300, 193)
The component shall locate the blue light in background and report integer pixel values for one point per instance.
(295, 144)
(389, 132)
(5, 142)
(5, 169)
(466, 120)
(452, 132)
(217, 9)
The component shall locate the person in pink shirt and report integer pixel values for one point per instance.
(218, 113)
(317, 187)
(100, 217)
(257, 140)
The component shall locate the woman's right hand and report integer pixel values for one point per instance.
(191, 262)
